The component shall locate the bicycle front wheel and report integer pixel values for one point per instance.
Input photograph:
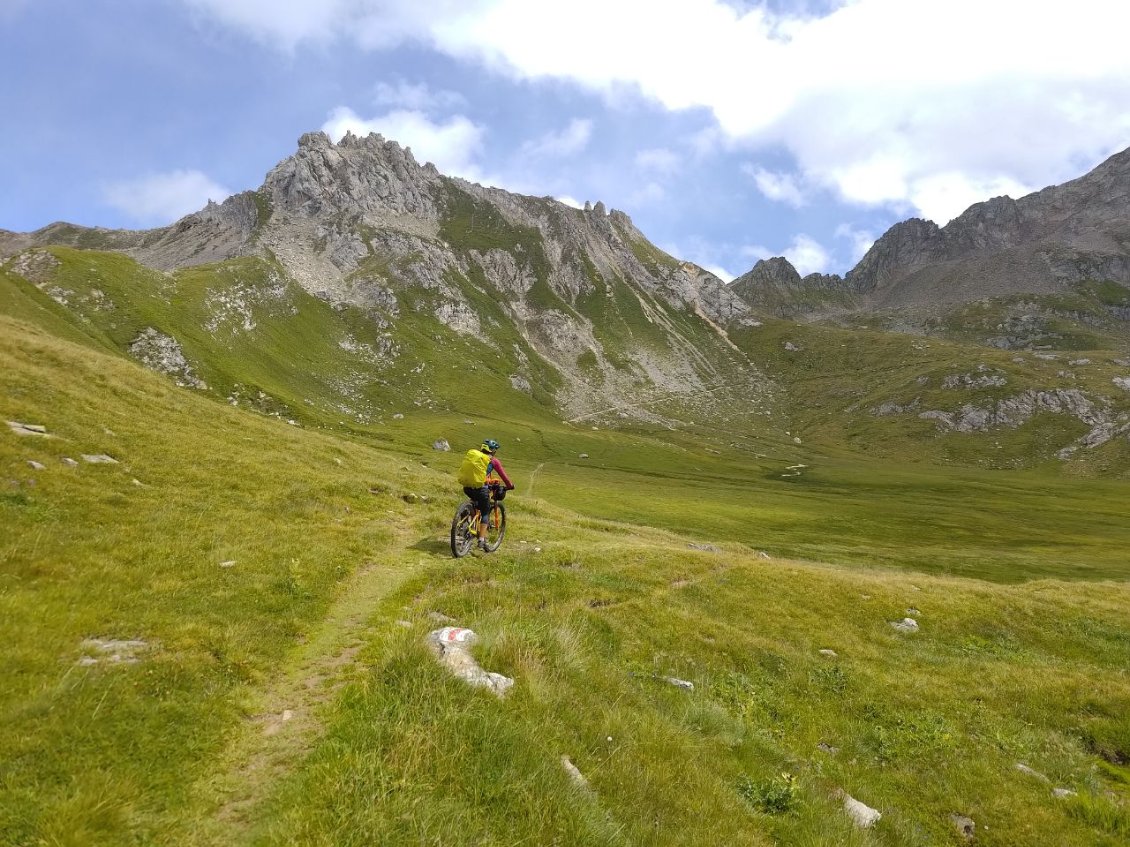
(462, 534)
(496, 529)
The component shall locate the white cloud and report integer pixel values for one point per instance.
(804, 253)
(648, 194)
(703, 253)
(570, 141)
(860, 240)
(776, 186)
(569, 201)
(158, 199)
(658, 159)
(807, 255)
(278, 22)
(720, 272)
(906, 103)
(452, 146)
(416, 97)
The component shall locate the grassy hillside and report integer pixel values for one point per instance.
(280, 581)
(866, 390)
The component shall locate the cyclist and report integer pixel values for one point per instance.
(478, 464)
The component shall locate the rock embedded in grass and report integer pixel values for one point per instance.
(831, 654)
(906, 625)
(36, 466)
(112, 650)
(28, 429)
(1024, 769)
(98, 459)
(861, 814)
(964, 825)
(575, 774)
(450, 644)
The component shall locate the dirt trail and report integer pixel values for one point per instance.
(286, 725)
(533, 478)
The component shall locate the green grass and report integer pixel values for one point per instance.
(274, 569)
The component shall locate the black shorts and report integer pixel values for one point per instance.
(480, 497)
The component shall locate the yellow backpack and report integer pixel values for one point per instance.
(473, 471)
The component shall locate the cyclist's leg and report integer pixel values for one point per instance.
(481, 498)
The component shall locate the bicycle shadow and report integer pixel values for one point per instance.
(432, 545)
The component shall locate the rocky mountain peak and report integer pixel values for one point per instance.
(357, 175)
(1037, 243)
(777, 271)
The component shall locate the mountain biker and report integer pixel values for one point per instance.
(478, 464)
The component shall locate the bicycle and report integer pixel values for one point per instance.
(465, 524)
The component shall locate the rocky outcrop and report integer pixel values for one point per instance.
(774, 286)
(1015, 411)
(162, 353)
(362, 224)
(1036, 244)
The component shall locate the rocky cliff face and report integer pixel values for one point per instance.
(362, 224)
(775, 286)
(1038, 244)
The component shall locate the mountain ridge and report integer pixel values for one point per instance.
(1037, 244)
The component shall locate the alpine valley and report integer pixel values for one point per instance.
(226, 484)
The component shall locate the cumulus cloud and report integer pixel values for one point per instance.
(913, 105)
(158, 199)
(703, 253)
(776, 186)
(805, 254)
(568, 142)
(648, 194)
(860, 240)
(658, 159)
(720, 272)
(452, 145)
(416, 97)
(284, 23)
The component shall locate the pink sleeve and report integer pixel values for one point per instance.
(502, 473)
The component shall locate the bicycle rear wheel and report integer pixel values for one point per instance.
(462, 532)
(496, 529)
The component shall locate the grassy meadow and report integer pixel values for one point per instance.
(280, 580)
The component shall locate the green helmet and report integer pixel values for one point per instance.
(490, 446)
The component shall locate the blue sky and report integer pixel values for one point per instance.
(729, 131)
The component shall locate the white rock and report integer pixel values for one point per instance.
(1024, 769)
(450, 644)
(99, 459)
(684, 684)
(69, 462)
(863, 815)
(36, 466)
(575, 774)
(831, 654)
(906, 625)
(1063, 793)
(28, 429)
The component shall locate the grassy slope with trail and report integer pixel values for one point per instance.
(385, 747)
